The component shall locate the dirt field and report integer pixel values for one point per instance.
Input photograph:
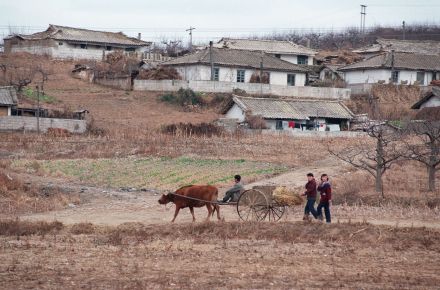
(221, 256)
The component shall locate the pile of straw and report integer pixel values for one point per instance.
(287, 197)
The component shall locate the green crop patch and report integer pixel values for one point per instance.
(149, 172)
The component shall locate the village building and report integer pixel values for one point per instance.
(291, 114)
(75, 43)
(8, 100)
(429, 106)
(241, 66)
(429, 47)
(329, 72)
(394, 67)
(285, 50)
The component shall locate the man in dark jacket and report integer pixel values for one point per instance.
(325, 191)
(311, 197)
(234, 193)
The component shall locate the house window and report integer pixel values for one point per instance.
(421, 77)
(60, 43)
(130, 49)
(290, 79)
(278, 55)
(216, 74)
(394, 76)
(83, 46)
(240, 75)
(279, 125)
(108, 48)
(303, 59)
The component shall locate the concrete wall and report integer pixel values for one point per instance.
(229, 74)
(373, 76)
(228, 87)
(30, 124)
(357, 89)
(312, 134)
(122, 83)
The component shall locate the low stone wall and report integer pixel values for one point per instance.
(250, 88)
(20, 123)
(310, 134)
(123, 83)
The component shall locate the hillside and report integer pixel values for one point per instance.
(111, 108)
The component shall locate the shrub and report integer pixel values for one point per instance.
(203, 129)
(255, 122)
(159, 73)
(183, 97)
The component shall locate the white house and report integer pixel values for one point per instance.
(242, 66)
(8, 100)
(430, 100)
(285, 50)
(291, 114)
(399, 68)
(74, 43)
(382, 45)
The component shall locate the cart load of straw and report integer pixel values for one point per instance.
(287, 197)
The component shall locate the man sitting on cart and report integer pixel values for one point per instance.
(233, 194)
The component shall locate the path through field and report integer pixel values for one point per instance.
(103, 206)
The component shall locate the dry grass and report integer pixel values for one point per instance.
(271, 255)
(19, 197)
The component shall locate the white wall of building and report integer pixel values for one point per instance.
(229, 74)
(373, 76)
(292, 58)
(236, 113)
(64, 50)
(432, 102)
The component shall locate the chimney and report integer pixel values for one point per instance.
(139, 36)
(308, 42)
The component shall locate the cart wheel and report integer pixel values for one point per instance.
(252, 205)
(276, 211)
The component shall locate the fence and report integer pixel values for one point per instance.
(250, 88)
(20, 123)
(122, 83)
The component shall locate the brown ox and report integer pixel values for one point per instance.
(202, 192)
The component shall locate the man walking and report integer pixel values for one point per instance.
(311, 197)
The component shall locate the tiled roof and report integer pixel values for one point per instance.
(8, 96)
(270, 108)
(435, 91)
(237, 58)
(414, 46)
(410, 61)
(84, 35)
(268, 46)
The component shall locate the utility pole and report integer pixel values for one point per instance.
(363, 14)
(403, 30)
(211, 60)
(190, 29)
(261, 73)
(38, 109)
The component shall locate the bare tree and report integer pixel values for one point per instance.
(375, 160)
(425, 146)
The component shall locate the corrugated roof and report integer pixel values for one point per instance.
(413, 46)
(65, 33)
(268, 46)
(410, 61)
(8, 96)
(237, 58)
(270, 108)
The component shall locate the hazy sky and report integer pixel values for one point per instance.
(212, 19)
